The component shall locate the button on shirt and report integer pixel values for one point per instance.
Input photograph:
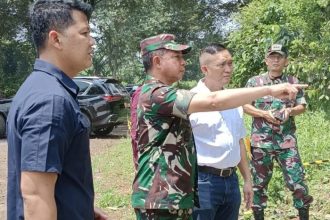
(47, 133)
(217, 134)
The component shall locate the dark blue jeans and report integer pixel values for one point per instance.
(219, 197)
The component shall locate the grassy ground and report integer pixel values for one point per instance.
(113, 173)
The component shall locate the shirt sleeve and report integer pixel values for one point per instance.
(242, 130)
(45, 131)
(300, 98)
(182, 103)
(250, 83)
(169, 101)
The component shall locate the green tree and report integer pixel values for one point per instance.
(120, 26)
(16, 53)
(303, 25)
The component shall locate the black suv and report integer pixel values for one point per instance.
(101, 100)
(131, 89)
(4, 109)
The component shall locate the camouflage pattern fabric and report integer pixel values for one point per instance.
(133, 131)
(162, 41)
(277, 142)
(166, 154)
(293, 172)
(265, 134)
(151, 214)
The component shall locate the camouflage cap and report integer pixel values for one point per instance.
(277, 48)
(162, 41)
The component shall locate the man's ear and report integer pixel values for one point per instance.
(156, 60)
(204, 69)
(54, 39)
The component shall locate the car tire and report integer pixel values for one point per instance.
(104, 131)
(2, 126)
(89, 122)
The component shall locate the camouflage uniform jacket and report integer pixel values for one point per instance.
(166, 154)
(265, 134)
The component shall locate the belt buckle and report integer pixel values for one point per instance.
(226, 172)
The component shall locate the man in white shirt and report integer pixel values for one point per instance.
(219, 142)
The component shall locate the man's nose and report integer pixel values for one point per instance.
(92, 41)
(183, 62)
(228, 68)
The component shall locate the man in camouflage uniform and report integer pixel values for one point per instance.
(273, 136)
(164, 185)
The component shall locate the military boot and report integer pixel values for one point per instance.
(303, 213)
(258, 214)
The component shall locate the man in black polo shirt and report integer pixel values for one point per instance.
(49, 165)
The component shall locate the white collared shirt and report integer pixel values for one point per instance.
(217, 135)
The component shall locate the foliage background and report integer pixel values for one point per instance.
(302, 25)
(119, 25)
(248, 27)
(113, 174)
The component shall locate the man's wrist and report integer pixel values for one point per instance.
(247, 180)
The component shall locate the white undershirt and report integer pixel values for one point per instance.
(217, 135)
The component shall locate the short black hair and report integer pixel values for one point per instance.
(213, 48)
(147, 58)
(53, 14)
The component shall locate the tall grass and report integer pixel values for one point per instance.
(113, 175)
(313, 144)
(113, 172)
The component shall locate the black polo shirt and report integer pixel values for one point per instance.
(48, 133)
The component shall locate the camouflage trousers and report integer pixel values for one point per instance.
(163, 214)
(262, 163)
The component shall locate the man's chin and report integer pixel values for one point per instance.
(226, 81)
(89, 64)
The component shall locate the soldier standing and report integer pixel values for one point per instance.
(273, 136)
(164, 185)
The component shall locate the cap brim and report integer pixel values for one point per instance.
(187, 50)
(279, 52)
(178, 47)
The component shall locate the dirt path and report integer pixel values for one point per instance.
(3, 178)
(97, 145)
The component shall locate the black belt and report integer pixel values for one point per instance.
(219, 172)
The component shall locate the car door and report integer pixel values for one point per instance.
(95, 96)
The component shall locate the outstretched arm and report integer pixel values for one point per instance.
(231, 98)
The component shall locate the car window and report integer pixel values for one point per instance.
(95, 90)
(113, 89)
(82, 86)
(121, 88)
